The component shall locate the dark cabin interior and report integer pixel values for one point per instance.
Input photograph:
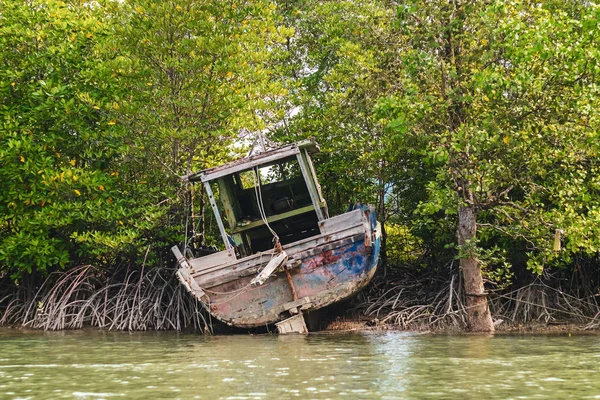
(286, 203)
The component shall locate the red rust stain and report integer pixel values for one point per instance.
(328, 257)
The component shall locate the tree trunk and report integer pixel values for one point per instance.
(478, 311)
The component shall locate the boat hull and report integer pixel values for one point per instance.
(320, 271)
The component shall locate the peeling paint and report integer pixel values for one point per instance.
(338, 272)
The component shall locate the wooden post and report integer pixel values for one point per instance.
(317, 185)
(312, 190)
(213, 203)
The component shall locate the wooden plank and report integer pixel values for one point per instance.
(213, 204)
(183, 273)
(206, 263)
(341, 222)
(273, 218)
(293, 248)
(317, 185)
(249, 162)
(181, 260)
(293, 324)
(292, 261)
(228, 273)
(311, 188)
(190, 283)
(296, 303)
(226, 198)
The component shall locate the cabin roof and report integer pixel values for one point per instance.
(247, 163)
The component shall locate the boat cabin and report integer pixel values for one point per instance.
(275, 190)
(252, 282)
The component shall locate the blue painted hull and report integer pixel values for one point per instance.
(327, 270)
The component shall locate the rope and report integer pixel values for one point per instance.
(261, 207)
(236, 292)
(263, 216)
(240, 291)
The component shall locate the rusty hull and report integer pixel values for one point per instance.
(335, 268)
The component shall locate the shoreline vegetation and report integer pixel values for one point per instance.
(153, 299)
(470, 126)
(123, 300)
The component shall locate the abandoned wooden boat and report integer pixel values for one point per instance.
(283, 253)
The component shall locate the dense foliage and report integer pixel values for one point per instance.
(447, 103)
(63, 200)
(429, 110)
(104, 107)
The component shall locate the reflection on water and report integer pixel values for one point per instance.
(95, 365)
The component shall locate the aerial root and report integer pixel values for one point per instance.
(140, 300)
(413, 303)
(432, 302)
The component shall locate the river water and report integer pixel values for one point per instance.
(392, 365)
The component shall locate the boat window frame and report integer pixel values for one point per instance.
(300, 153)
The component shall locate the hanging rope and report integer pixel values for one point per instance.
(235, 292)
(261, 208)
(277, 245)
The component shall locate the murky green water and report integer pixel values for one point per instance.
(95, 365)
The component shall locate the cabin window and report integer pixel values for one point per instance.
(286, 203)
(246, 179)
